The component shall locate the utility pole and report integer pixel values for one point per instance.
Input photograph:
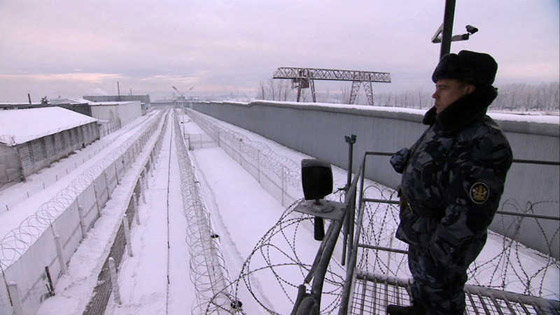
(118, 91)
(29, 98)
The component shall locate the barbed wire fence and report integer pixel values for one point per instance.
(105, 282)
(35, 254)
(209, 273)
(513, 268)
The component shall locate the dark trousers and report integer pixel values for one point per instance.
(438, 286)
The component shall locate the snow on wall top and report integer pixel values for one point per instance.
(22, 125)
(529, 122)
(69, 101)
(534, 117)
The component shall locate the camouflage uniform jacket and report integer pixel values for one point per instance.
(453, 178)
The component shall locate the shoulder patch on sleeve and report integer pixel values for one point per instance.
(479, 193)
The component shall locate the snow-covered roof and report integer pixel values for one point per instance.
(70, 100)
(22, 125)
(113, 103)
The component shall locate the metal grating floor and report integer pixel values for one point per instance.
(372, 294)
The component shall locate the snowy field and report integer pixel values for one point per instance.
(157, 279)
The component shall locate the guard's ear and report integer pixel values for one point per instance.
(470, 88)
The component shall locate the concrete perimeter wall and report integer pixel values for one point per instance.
(319, 129)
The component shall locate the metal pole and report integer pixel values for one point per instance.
(346, 227)
(282, 184)
(60, 253)
(82, 221)
(127, 235)
(447, 27)
(16, 299)
(312, 85)
(96, 198)
(114, 281)
(259, 164)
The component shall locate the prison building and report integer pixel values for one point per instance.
(114, 115)
(78, 105)
(143, 99)
(31, 139)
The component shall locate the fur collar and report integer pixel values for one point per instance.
(464, 111)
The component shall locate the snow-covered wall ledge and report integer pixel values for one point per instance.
(319, 129)
(534, 123)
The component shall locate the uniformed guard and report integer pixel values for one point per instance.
(452, 181)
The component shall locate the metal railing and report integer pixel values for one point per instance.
(390, 283)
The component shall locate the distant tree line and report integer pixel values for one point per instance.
(527, 98)
(544, 97)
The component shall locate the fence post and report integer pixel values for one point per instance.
(127, 235)
(117, 173)
(146, 174)
(143, 190)
(96, 199)
(107, 185)
(239, 152)
(259, 165)
(114, 281)
(82, 223)
(16, 299)
(282, 184)
(136, 204)
(59, 251)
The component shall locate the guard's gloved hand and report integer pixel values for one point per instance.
(399, 160)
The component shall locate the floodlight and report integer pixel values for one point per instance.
(316, 179)
(317, 182)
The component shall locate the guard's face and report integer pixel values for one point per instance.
(448, 91)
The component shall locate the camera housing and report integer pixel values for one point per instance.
(471, 29)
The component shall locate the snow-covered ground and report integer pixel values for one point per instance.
(157, 279)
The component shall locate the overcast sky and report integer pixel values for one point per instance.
(72, 48)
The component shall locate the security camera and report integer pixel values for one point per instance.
(471, 29)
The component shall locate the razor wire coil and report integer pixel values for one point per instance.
(208, 268)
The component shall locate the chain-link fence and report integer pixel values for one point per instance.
(279, 175)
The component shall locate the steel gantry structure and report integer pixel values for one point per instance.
(304, 78)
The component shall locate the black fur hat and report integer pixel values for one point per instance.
(467, 66)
